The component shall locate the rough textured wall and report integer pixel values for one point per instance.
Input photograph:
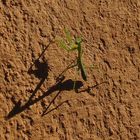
(111, 34)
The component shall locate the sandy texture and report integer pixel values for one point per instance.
(111, 33)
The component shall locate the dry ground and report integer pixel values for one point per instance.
(111, 33)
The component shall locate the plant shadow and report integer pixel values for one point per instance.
(40, 69)
(60, 86)
(79, 84)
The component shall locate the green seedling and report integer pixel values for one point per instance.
(70, 45)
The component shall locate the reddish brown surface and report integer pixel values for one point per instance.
(111, 32)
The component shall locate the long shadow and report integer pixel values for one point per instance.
(41, 71)
(88, 90)
(41, 55)
(71, 65)
(59, 86)
(45, 112)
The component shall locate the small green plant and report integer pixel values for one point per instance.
(71, 44)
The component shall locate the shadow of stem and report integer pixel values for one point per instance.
(60, 86)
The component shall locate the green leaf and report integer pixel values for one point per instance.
(63, 45)
(73, 47)
(68, 36)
